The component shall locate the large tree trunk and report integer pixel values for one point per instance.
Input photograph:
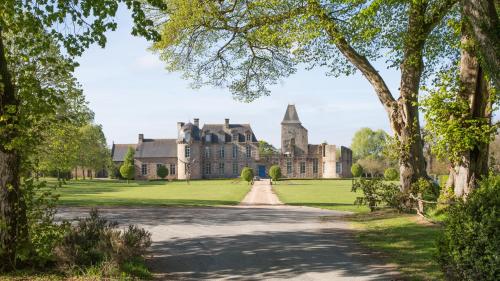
(13, 226)
(473, 89)
(482, 17)
(403, 113)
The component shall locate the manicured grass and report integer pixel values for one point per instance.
(404, 239)
(325, 194)
(140, 193)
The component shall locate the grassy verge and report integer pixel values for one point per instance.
(325, 194)
(404, 239)
(151, 193)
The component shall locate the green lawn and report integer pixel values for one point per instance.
(404, 239)
(177, 193)
(325, 194)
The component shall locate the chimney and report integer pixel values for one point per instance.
(141, 138)
(179, 126)
(226, 123)
(197, 122)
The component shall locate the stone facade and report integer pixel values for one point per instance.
(223, 150)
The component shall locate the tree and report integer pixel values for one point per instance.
(458, 113)
(356, 170)
(161, 171)
(266, 149)
(93, 151)
(247, 46)
(247, 174)
(367, 142)
(390, 174)
(127, 171)
(482, 17)
(372, 166)
(36, 27)
(275, 172)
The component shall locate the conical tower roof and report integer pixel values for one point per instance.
(291, 116)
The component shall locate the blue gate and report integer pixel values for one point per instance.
(262, 171)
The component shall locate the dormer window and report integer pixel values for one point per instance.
(236, 137)
(187, 136)
(248, 137)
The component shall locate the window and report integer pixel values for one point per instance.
(208, 138)
(207, 152)
(172, 169)
(235, 151)
(236, 137)
(187, 136)
(221, 168)
(144, 169)
(302, 167)
(324, 167)
(339, 168)
(158, 166)
(249, 137)
(221, 152)
(289, 166)
(235, 169)
(248, 151)
(315, 166)
(187, 151)
(208, 168)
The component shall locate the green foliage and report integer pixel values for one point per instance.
(356, 170)
(391, 174)
(161, 171)
(470, 242)
(452, 130)
(247, 174)
(367, 142)
(266, 149)
(129, 156)
(95, 243)
(377, 193)
(127, 171)
(44, 232)
(275, 172)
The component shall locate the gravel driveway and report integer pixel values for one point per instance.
(250, 242)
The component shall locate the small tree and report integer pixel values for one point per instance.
(391, 174)
(127, 171)
(162, 171)
(247, 174)
(356, 170)
(275, 172)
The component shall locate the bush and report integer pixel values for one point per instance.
(469, 246)
(96, 244)
(162, 171)
(356, 170)
(247, 174)
(275, 172)
(391, 174)
(127, 171)
(376, 193)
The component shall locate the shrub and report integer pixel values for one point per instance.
(356, 170)
(376, 193)
(127, 171)
(391, 174)
(162, 171)
(469, 246)
(247, 174)
(275, 172)
(95, 243)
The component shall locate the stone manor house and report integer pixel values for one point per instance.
(223, 150)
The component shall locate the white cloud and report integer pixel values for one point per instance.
(148, 61)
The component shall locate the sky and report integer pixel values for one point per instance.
(130, 92)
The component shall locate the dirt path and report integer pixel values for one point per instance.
(261, 194)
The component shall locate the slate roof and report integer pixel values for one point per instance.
(118, 151)
(291, 116)
(219, 129)
(151, 148)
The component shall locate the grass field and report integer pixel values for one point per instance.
(325, 194)
(404, 239)
(141, 193)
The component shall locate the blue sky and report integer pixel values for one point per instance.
(130, 92)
